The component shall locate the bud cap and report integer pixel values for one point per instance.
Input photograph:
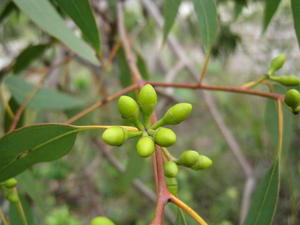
(145, 146)
(128, 108)
(203, 162)
(292, 98)
(171, 169)
(114, 136)
(177, 113)
(147, 99)
(188, 158)
(99, 220)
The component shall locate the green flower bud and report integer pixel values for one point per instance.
(147, 99)
(99, 220)
(277, 63)
(13, 197)
(172, 185)
(292, 98)
(10, 183)
(115, 136)
(145, 146)
(289, 80)
(171, 169)
(175, 115)
(203, 162)
(128, 108)
(164, 137)
(188, 158)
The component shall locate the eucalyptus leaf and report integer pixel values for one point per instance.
(207, 19)
(28, 55)
(27, 146)
(264, 201)
(81, 13)
(170, 11)
(43, 14)
(43, 99)
(270, 9)
(295, 4)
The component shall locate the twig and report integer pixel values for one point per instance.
(101, 103)
(137, 184)
(150, 6)
(204, 68)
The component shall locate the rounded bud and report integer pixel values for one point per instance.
(292, 98)
(172, 185)
(188, 158)
(128, 108)
(177, 113)
(203, 162)
(277, 63)
(13, 197)
(115, 136)
(10, 183)
(171, 169)
(145, 146)
(99, 220)
(164, 137)
(147, 99)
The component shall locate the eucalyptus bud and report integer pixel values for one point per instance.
(175, 115)
(147, 99)
(164, 137)
(287, 80)
(277, 63)
(188, 158)
(99, 220)
(128, 108)
(10, 183)
(171, 169)
(115, 136)
(203, 162)
(145, 146)
(292, 98)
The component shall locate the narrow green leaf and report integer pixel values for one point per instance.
(180, 218)
(27, 56)
(6, 8)
(44, 99)
(295, 4)
(264, 201)
(81, 13)
(8, 120)
(169, 12)
(27, 146)
(207, 18)
(46, 17)
(271, 7)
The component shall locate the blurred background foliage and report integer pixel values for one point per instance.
(84, 184)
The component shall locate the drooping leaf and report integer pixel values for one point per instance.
(207, 18)
(264, 201)
(180, 218)
(169, 12)
(295, 4)
(81, 13)
(270, 9)
(27, 146)
(14, 215)
(46, 17)
(44, 98)
(27, 56)
(8, 120)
